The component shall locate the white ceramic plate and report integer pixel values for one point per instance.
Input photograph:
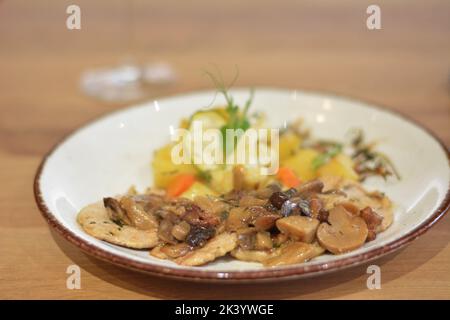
(107, 156)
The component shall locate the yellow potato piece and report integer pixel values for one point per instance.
(253, 177)
(198, 189)
(213, 118)
(222, 180)
(301, 164)
(164, 170)
(339, 166)
(289, 145)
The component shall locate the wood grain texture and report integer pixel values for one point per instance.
(321, 46)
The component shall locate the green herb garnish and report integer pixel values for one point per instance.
(323, 158)
(203, 175)
(237, 118)
(369, 162)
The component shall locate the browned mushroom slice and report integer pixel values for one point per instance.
(266, 191)
(353, 193)
(351, 207)
(150, 202)
(157, 253)
(331, 183)
(238, 218)
(313, 186)
(373, 221)
(194, 215)
(138, 217)
(216, 247)
(181, 230)
(379, 203)
(344, 233)
(238, 177)
(298, 227)
(294, 252)
(175, 250)
(266, 222)
(211, 205)
(249, 201)
(165, 232)
(115, 212)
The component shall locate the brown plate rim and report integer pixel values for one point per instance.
(233, 276)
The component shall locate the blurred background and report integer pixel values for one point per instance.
(312, 45)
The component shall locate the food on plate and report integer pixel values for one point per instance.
(343, 232)
(196, 213)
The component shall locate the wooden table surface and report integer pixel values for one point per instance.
(310, 45)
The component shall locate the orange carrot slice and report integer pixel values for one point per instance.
(288, 177)
(180, 184)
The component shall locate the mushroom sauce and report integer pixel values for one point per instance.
(270, 225)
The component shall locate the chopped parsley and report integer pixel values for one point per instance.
(326, 156)
(237, 118)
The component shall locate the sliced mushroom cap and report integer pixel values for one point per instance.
(344, 233)
(266, 222)
(298, 227)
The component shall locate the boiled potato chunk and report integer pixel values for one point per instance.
(340, 166)
(301, 164)
(214, 118)
(253, 177)
(289, 145)
(222, 180)
(197, 189)
(164, 170)
(298, 227)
